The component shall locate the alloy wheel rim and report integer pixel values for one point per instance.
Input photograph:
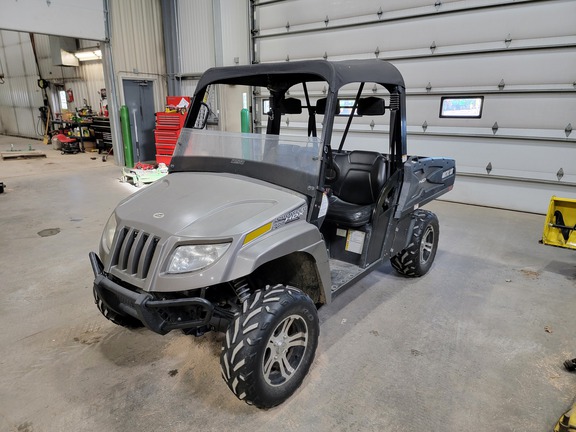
(285, 350)
(427, 245)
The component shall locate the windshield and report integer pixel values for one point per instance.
(288, 161)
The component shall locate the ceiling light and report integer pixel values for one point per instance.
(88, 54)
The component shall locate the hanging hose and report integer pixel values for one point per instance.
(241, 288)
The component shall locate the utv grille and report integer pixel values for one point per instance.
(134, 252)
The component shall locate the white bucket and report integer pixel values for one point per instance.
(56, 145)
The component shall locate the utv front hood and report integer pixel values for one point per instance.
(205, 205)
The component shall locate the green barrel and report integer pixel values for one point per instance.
(126, 136)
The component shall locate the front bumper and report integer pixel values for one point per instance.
(160, 316)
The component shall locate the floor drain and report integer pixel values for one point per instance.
(48, 232)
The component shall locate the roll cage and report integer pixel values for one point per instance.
(278, 78)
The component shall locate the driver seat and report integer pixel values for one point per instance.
(360, 176)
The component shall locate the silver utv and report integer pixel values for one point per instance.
(251, 232)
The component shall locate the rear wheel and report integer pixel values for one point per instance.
(417, 258)
(118, 319)
(270, 346)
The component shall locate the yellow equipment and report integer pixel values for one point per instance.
(567, 421)
(560, 225)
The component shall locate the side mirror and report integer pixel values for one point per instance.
(291, 106)
(371, 106)
(321, 107)
(202, 117)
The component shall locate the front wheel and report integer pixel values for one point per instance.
(270, 346)
(417, 258)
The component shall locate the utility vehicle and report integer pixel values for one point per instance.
(249, 233)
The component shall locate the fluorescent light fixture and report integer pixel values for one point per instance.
(89, 54)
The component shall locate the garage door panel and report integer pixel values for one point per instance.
(515, 68)
(507, 194)
(516, 158)
(487, 25)
(539, 110)
(305, 11)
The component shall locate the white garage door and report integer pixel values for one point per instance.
(82, 19)
(519, 57)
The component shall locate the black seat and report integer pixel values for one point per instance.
(360, 176)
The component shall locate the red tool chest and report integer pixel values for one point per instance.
(168, 126)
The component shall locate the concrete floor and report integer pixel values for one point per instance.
(477, 344)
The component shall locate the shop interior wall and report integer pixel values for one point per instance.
(213, 33)
(20, 96)
(137, 45)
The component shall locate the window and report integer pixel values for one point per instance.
(461, 107)
(346, 106)
(63, 101)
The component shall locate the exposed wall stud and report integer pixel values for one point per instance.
(508, 40)
(377, 52)
(560, 174)
(433, 47)
(379, 13)
(288, 26)
(568, 130)
(495, 128)
(424, 126)
(372, 124)
(489, 167)
(501, 85)
(325, 56)
(327, 20)
(429, 87)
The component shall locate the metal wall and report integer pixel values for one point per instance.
(212, 33)
(519, 55)
(137, 45)
(20, 95)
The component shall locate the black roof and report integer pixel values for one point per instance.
(286, 74)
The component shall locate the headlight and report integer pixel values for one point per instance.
(190, 258)
(108, 234)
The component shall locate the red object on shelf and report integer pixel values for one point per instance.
(175, 100)
(168, 126)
